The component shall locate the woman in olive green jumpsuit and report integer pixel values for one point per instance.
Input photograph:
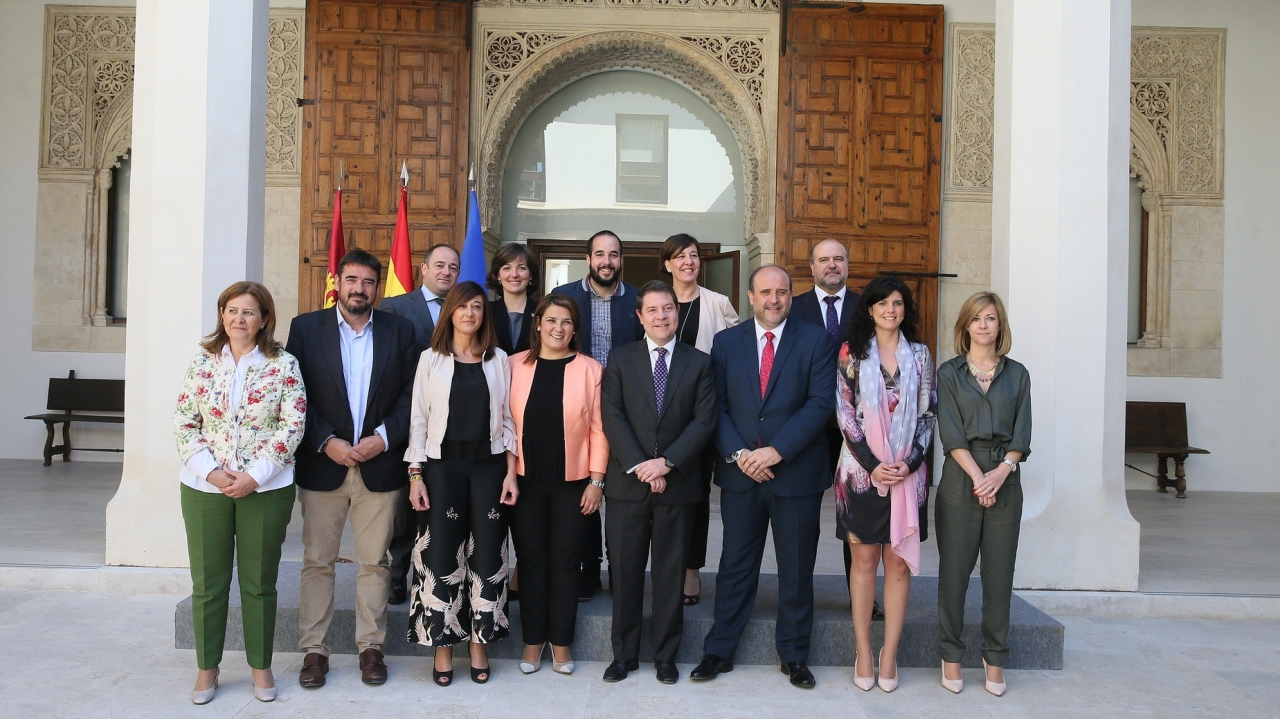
(984, 421)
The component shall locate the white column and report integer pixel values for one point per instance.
(1059, 259)
(199, 182)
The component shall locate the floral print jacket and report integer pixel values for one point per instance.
(259, 436)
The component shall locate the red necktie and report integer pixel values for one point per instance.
(766, 363)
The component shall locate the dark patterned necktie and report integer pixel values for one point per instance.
(833, 322)
(659, 385)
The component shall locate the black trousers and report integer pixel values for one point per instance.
(547, 525)
(460, 560)
(696, 556)
(748, 517)
(631, 528)
(592, 552)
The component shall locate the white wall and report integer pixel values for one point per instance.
(1235, 417)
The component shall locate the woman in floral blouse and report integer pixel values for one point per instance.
(239, 418)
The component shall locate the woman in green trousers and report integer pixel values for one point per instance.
(984, 420)
(239, 418)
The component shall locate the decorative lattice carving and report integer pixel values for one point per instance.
(1193, 60)
(284, 85)
(971, 110)
(82, 42)
(1153, 100)
(505, 51)
(707, 5)
(743, 56)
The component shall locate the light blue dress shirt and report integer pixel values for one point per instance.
(432, 305)
(357, 369)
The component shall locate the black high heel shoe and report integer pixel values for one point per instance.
(479, 675)
(442, 679)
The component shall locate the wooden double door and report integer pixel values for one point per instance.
(387, 81)
(860, 140)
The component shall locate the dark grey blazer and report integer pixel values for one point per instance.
(628, 410)
(413, 307)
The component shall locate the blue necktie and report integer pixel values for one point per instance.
(659, 383)
(833, 322)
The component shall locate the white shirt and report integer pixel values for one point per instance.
(822, 296)
(432, 305)
(268, 474)
(357, 368)
(670, 346)
(760, 341)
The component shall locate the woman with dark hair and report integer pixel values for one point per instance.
(885, 404)
(460, 426)
(984, 422)
(514, 276)
(239, 418)
(561, 461)
(702, 313)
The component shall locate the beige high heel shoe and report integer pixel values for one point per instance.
(527, 667)
(560, 667)
(886, 684)
(204, 696)
(996, 688)
(955, 686)
(866, 684)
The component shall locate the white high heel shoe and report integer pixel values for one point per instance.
(955, 686)
(560, 667)
(204, 696)
(886, 684)
(866, 684)
(531, 667)
(996, 688)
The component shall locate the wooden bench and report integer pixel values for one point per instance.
(69, 398)
(1160, 428)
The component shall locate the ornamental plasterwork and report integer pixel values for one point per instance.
(506, 51)
(971, 80)
(743, 56)
(1187, 65)
(769, 6)
(284, 86)
(538, 74)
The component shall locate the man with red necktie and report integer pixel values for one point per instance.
(775, 389)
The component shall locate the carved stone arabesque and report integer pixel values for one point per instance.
(557, 64)
(744, 56)
(284, 85)
(506, 51)
(81, 42)
(970, 127)
(770, 6)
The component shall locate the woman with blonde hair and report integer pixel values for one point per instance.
(984, 420)
(239, 418)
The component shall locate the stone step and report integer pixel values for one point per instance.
(1036, 638)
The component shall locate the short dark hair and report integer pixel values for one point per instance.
(864, 327)
(461, 294)
(506, 255)
(654, 286)
(357, 256)
(591, 241)
(432, 250)
(674, 245)
(751, 279)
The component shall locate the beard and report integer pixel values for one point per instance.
(596, 278)
(355, 305)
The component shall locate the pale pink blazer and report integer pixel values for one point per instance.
(585, 448)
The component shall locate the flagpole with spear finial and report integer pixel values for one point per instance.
(400, 268)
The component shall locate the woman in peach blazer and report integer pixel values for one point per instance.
(560, 465)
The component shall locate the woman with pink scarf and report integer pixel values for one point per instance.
(886, 400)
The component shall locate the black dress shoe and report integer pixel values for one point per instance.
(399, 593)
(800, 674)
(711, 667)
(617, 671)
(877, 614)
(589, 587)
(667, 672)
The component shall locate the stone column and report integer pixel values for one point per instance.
(1058, 257)
(199, 183)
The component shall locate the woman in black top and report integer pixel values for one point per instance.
(461, 427)
(514, 276)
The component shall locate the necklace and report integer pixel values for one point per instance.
(980, 373)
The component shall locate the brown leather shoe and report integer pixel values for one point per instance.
(314, 667)
(372, 669)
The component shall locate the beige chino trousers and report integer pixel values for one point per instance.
(324, 514)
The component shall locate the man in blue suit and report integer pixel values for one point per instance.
(606, 305)
(775, 389)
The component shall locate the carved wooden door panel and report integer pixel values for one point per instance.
(860, 137)
(389, 80)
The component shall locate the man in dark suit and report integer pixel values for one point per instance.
(831, 305)
(605, 304)
(775, 389)
(358, 366)
(438, 273)
(658, 407)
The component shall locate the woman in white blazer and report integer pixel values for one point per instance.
(703, 313)
(461, 428)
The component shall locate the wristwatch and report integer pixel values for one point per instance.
(669, 463)
(735, 456)
(1013, 466)
(597, 483)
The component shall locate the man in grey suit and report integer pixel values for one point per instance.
(658, 408)
(438, 273)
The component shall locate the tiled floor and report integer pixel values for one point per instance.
(110, 655)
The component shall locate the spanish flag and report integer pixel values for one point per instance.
(336, 250)
(400, 269)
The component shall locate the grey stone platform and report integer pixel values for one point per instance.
(1035, 637)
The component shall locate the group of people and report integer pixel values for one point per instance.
(444, 421)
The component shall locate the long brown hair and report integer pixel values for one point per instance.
(461, 294)
(266, 339)
(535, 334)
